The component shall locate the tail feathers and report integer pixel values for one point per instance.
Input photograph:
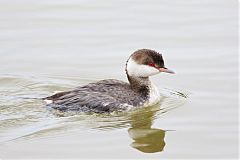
(55, 96)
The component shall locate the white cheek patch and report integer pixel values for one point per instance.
(138, 70)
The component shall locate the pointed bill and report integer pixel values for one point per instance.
(166, 70)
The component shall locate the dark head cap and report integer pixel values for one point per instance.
(148, 57)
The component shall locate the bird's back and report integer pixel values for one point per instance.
(102, 96)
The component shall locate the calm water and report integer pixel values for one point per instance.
(53, 45)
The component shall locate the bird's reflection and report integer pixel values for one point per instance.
(139, 123)
(145, 138)
(148, 140)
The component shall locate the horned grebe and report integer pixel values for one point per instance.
(114, 95)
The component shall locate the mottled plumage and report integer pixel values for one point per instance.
(114, 95)
(103, 96)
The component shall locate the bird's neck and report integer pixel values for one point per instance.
(140, 84)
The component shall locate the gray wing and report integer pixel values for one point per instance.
(83, 101)
(102, 96)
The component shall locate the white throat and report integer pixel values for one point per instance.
(154, 95)
(140, 70)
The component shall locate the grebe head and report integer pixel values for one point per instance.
(145, 63)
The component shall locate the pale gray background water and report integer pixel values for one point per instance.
(51, 45)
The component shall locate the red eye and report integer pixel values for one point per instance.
(151, 64)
